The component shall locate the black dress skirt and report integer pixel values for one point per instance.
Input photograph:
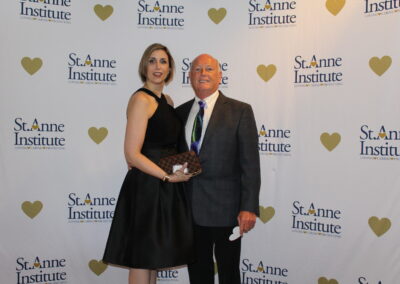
(152, 224)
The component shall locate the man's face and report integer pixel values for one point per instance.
(205, 75)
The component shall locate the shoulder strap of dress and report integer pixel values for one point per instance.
(147, 91)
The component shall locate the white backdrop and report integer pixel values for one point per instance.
(322, 77)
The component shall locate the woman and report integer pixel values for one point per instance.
(152, 226)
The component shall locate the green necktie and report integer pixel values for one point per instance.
(197, 128)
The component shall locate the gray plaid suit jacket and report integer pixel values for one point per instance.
(230, 181)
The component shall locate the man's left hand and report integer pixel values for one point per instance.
(246, 220)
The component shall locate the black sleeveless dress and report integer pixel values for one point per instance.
(152, 224)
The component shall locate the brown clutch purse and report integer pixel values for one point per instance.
(190, 157)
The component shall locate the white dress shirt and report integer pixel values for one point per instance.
(208, 108)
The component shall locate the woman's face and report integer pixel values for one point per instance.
(157, 67)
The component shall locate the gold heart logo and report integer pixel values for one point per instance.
(335, 6)
(330, 141)
(36, 264)
(267, 6)
(217, 15)
(88, 62)
(323, 280)
(156, 8)
(103, 12)
(266, 72)
(87, 201)
(379, 226)
(32, 209)
(31, 65)
(311, 211)
(98, 135)
(263, 132)
(382, 134)
(379, 66)
(313, 63)
(266, 213)
(97, 267)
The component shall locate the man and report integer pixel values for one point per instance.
(226, 193)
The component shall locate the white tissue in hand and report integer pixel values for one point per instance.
(235, 234)
(178, 167)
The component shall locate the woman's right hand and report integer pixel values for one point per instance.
(179, 175)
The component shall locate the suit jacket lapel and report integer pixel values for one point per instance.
(185, 116)
(216, 116)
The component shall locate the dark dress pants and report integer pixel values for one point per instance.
(227, 255)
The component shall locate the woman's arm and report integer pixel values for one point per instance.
(140, 109)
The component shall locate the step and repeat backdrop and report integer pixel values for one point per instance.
(322, 77)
